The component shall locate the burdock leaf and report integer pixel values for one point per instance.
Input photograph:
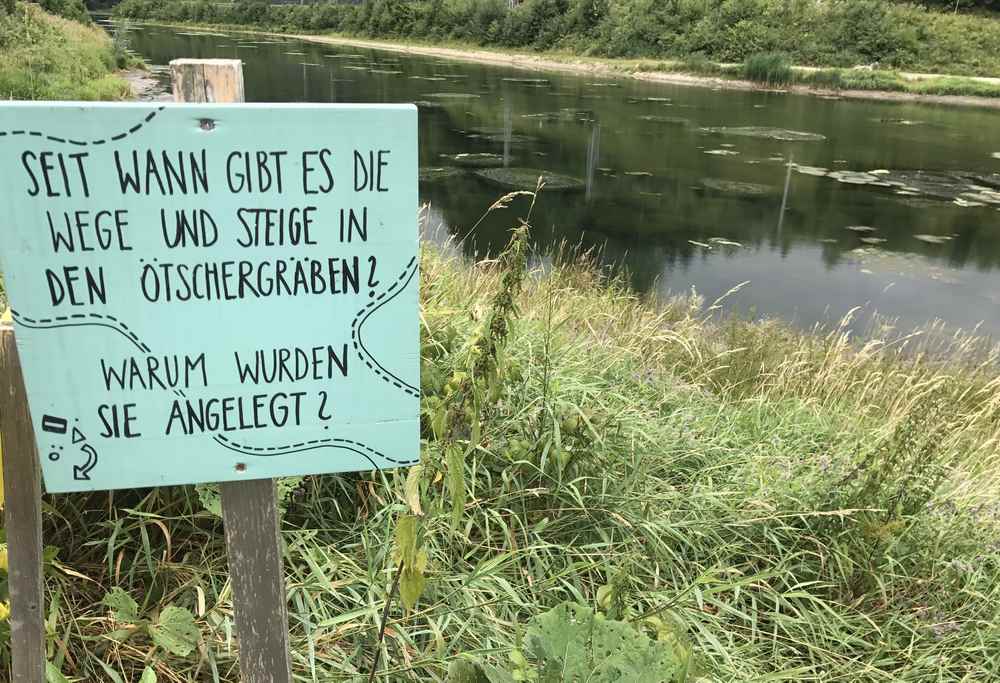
(571, 643)
(122, 605)
(175, 631)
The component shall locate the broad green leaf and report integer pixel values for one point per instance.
(175, 631)
(412, 488)
(210, 498)
(411, 586)
(54, 675)
(148, 676)
(284, 490)
(122, 605)
(406, 539)
(572, 642)
(439, 420)
(411, 559)
(463, 670)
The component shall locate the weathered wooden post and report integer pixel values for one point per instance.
(249, 508)
(23, 519)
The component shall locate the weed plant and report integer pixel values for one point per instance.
(45, 57)
(777, 504)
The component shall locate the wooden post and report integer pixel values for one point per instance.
(207, 80)
(23, 512)
(249, 508)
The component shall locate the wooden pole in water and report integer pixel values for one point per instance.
(23, 519)
(249, 508)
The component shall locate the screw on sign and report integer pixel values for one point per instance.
(146, 245)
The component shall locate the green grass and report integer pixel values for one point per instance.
(44, 57)
(874, 80)
(773, 70)
(769, 68)
(794, 506)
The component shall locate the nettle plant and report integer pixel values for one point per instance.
(461, 394)
(452, 415)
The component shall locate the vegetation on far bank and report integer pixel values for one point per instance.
(703, 37)
(774, 69)
(49, 57)
(842, 34)
(744, 500)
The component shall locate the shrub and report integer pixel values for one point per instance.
(770, 68)
(67, 9)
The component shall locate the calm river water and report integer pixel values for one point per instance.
(679, 205)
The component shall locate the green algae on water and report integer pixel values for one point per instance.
(766, 132)
(437, 174)
(527, 179)
(475, 159)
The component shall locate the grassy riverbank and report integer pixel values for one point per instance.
(47, 57)
(776, 74)
(843, 63)
(774, 505)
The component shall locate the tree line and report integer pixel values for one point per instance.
(836, 33)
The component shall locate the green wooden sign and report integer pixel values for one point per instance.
(213, 292)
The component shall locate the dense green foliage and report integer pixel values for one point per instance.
(46, 57)
(74, 10)
(810, 32)
(963, 5)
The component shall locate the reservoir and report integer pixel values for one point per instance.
(888, 206)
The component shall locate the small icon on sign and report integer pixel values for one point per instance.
(53, 456)
(56, 425)
(82, 472)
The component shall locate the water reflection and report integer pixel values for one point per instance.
(666, 187)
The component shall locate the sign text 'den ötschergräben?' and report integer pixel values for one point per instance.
(213, 292)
